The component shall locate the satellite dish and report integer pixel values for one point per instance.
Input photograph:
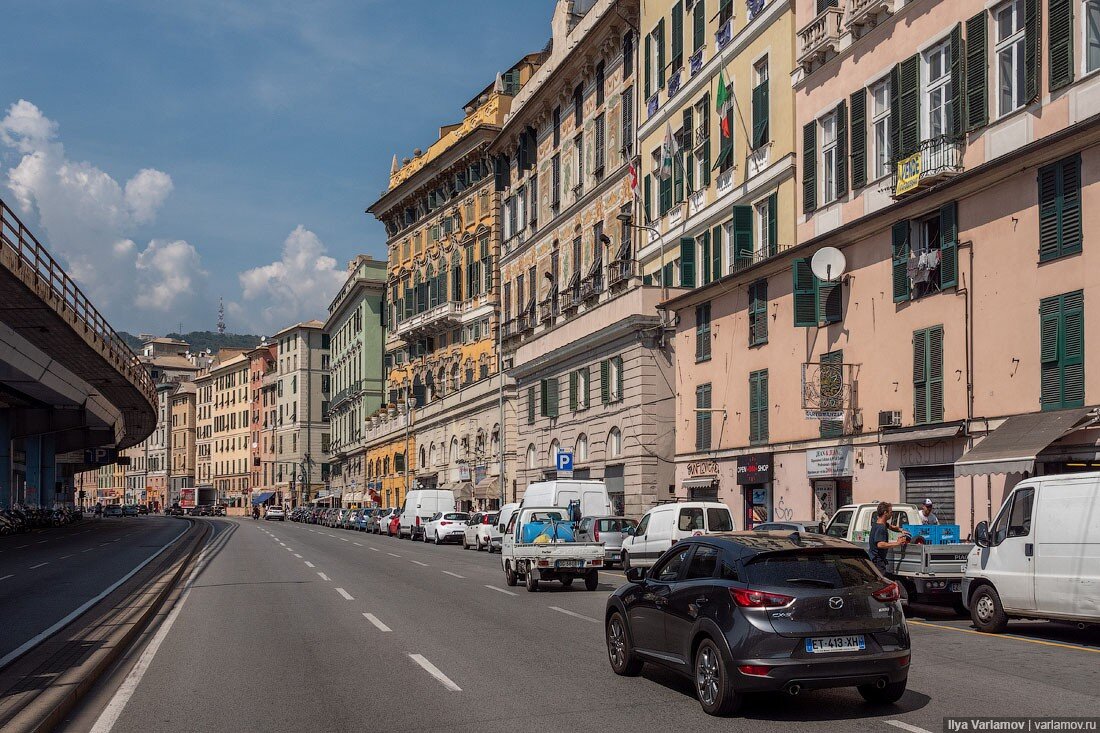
(828, 264)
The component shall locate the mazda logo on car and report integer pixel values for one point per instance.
(836, 602)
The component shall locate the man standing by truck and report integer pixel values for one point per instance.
(879, 543)
(928, 513)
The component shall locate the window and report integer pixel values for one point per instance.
(552, 454)
(611, 379)
(1060, 209)
(600, 144)
(702, 332)
(668, 570)
(830, 387)
(815, 301)
(1092, 35)
(936, 75)
(703, 563)
(928, 376)
(700, 175)
(614, 443)
(760, 134)
(532, 456)
(549, 397)
(655, 59)
(1015, 518)
(767, 227)
(578, 106)
(758, 313)
(578, 389)
(1008, 19)
(530, 405)
(628, 54)
(581, 451)
(925, 254)
(1062, 351)
(702, 417)
(829, 158)
(600, 79)
(758, 406)
(628, 123)
(578, 164)
(880, 125)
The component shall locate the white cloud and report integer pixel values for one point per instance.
(297, 287)
(167, 273)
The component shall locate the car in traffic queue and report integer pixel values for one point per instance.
(446, 527)
(666, 524)
(393, 524)
(275, 513)
(747, 612)
(129, 510)
(112, 510)
(610, 531)
(480, 532)
(806, 527)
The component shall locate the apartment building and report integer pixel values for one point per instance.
(302, 394)
(181, 474)
(262, 383)
(230, 430)
(204, 438)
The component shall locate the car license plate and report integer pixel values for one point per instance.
(570, 563)
(825, 644)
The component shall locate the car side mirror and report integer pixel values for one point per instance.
(636, 575)
(981, 534)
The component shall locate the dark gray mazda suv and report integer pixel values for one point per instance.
(762, 611)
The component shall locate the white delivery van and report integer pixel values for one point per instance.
(592, 496)
(666, 524)
(503, 516)
(1040, 559)
(420, 505)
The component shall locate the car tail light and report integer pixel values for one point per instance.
(747, 598)
(418, 521)
(887, 594)
(596, 533)
(756, 670)
(904, 661)
(443, 524)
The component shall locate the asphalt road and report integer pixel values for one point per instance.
(294, 627)
(46, 574)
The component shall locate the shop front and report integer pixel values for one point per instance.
(829, 471)
(702, 482)
(754, 476)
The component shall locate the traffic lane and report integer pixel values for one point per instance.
(262, 643)
(44, 583)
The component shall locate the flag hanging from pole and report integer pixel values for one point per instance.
(669, 151)
(723, 103)
(632, 174)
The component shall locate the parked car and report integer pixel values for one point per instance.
(608, 530)
(748, 612)
(446, 527)
(362, 518)
(375, 522)
(393, 524)
(420, 505)
(275, 512)
(143, 508)
(480, 531)
(666, 524)
(129, 510)
(806, 527)
(112, 510)
(503, 517)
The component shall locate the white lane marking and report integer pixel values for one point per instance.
(31, 643)
(12, 575)
(501, 590)
(356, 544)
(283, 544)
(344, 540)
(454, 575)
(345, 594)
(434, 672)
(393, 554)
(323, 576)
(41, 542)
(906, 726)
(574, 614)
(21, 547)
(33, 567)
(375, 549)
(421, 564)
(309, 564)
(88, 550)
(297, 556)
(374, 620)
(64, 557)
(289, 550)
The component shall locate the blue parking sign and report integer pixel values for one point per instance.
(565, 461)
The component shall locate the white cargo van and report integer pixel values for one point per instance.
(1040, 559)
(592, 495)
(666, 524)
(420, 505)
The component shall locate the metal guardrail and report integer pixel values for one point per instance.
(66, 297)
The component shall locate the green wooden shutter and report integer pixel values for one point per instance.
(552, 397)
(935, 374)
(677, 35)
(829, 301)
(920, 377)
(702, 417)
(773, 224)
(1032, 58)
(587, 387)
(618, 377)
(895, 113)
(758, 313)
(1071, 205)
(661, 54)
(605, 381)
(716, 251)
(1062, 351)
(1050, 380)
(977, 73)
(841, 149)
(832, 428)
(758, 406)
(1060, 18)
(665, 188)
(809, 167)
(1049, 206)
(1060, 209)
(859, 139)
(909, 100)
(699, 25)
(544, 401)
(705, 125)
(949, 245)
(805, 294)
(900, 261)
(1073, 349)
(687, 262)
(706, 263)
(760, 114)
(958, 88)
(648, 74)
(689, 157)
(647, 193)
(574, 378)
(530, 405)
(677, 180)
(742, 236)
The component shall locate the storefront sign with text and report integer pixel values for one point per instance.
(755, 468)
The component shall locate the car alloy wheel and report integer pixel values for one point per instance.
(711, 681)
(623, 661)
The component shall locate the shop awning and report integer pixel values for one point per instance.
(940, 432)
(486, 488)
(1013, 446)
(464, 490)
(700, 483)
(261, 497)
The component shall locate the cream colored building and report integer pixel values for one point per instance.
(181, 471)
(302, 395)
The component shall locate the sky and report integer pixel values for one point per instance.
(171, 154)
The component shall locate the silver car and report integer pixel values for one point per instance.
(608, 530)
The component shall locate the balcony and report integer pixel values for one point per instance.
(347, 393)
(620, 271)
(509, 329)
(675, 81)
(437, 319)
(867, 13)
(526, 322)
(819, 40)
(270, 379)
(591, 287)
(743, 262)
(939, 158)
(695, 63)
(652, 105)
(724, 34)
(548, 309)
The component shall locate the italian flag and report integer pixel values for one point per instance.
(723, 101)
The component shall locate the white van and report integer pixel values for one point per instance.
(592, 496)
(420, 505)
(503, 516)
(1040, 558)
(666, 524)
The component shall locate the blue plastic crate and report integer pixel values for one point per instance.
(934, 534)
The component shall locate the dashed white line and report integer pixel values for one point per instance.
(8, 576)
(393, 554)
(283, 544)
(574, 614)
(375, 549)
(344, 540)
(32, 567)
(421, 564)
(501, 590)
(434, 672)
(323, 576)
(454, 575)
(297, 556)
(289, 550)
(21, 547)
(309, 564)
(88, 550)
(906, 726)
(369, 617)
(356, 544)
(41, 542)
(345, 594)
(64, 557)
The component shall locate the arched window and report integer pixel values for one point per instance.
(581, 452)
(614, 443)
(454, 377)
(453, 457)
(494, 442)
(531, 456)
(433, 459)
(552, 454)
(479, 444)
(386, 465)
(423, 457)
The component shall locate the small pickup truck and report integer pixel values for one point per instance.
(926, 573)
(539, 545)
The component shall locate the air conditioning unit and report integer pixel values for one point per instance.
(889, 419)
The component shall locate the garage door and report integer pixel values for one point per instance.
(932, 482)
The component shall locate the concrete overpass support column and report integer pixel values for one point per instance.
(33, 448)
(47, 496)
(5, 458)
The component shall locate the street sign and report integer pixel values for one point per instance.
(100, 456)
(564, 461)
(824, 414)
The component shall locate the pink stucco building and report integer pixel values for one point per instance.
(949, 151)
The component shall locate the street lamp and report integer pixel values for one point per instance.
(627, 218)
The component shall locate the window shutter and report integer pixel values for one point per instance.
(900, 261)
(647, 191)
(677, 180)
(935, 374)
(648, 83)
(1073, 349)
(618, 377)
(715, 246)
(689, 157)
(909, 100)
(1050, 387)
(841, 149)
(859, 139)
(758, 313)
(949, 245)
(573, 380)
(773, 224)
(687, 262)
(661, 54)
(958, 88)
(530, 405)
(830, 301)
(705, 125)
(760, 115)
(544, 397)
(552, 397)
(742, 236)
(706, 274)
(699, 23)
(805, 294)
(1060, 18)
(920, 377)
(605, 381)
(1032, 59)
(1070, 170)
(809, 167)
(895, 113)
(665, 187)
(1060, 209)
(677, 35)
(977, 73)
(587, 384)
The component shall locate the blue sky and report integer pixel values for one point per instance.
(175, 153)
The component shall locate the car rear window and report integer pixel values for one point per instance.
(492, 519)
(691, 519)
(456, 516)
(616, 525)
(719, 520)
(831, 570)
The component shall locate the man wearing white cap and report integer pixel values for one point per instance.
(928, 514)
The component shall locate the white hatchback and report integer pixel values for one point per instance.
(446, 527)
